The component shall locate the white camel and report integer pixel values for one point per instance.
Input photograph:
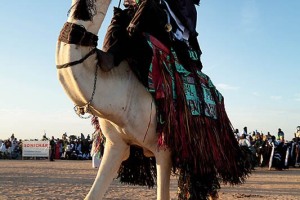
(126, 109)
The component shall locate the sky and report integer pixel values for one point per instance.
(251, 51)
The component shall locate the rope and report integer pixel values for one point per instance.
(69, 64)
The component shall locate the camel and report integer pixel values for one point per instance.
(125, 108)
(205, 150)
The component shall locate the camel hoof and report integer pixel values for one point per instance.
(213, 196)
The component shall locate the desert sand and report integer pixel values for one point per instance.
(64, 179)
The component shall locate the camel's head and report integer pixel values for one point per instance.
(84, 10)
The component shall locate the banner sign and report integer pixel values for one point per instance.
(36, 148)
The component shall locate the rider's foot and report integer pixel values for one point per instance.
(106, 61)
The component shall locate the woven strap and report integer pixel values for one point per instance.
(76, 34)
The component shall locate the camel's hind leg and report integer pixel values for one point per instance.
(114, 154)
(163, 164)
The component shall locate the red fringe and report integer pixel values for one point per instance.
(95, 123)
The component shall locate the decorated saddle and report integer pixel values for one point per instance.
(193, 123)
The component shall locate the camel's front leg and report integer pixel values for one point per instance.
(113, 156)
(163, 164)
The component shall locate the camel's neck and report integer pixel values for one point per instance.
(114, 90)
(94, 25)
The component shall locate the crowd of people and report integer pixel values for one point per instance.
(263, 150)
(270, 150)
(66, 147)
(10, 148)
(71, 147)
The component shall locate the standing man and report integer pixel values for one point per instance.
(280, 134)
(52, 148)
(297, 134)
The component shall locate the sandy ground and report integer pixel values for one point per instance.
(31, 179)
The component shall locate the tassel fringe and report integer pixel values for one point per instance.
(204, 149)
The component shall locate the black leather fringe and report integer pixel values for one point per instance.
(138, 169)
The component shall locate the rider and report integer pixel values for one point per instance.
(124, 40)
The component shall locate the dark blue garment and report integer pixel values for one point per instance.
(186, 12)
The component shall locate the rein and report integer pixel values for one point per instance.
(75, 34)
(69, 64)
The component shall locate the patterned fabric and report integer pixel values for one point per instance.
(189, 85)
